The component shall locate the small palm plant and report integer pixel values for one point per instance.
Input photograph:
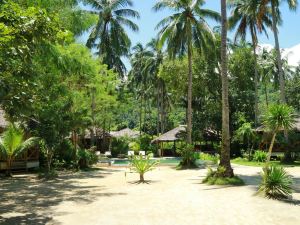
(142, 165)
(276, 183)
(13, 143)
(278, 117)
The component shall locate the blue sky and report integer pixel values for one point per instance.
(289, 32)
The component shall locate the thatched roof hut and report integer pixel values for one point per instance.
(125, 133)
(296, 126)
(172, 135)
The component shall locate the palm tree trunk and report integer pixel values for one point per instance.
(266, 95)
(278, 56)
(225, 151)
(255, 76)
(271, 146)
(142, 177)
(190, 86)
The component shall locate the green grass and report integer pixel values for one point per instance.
(236, 181)
(245, 162)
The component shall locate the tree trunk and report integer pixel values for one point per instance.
(278, 56)
(8, 169)
(93, 106)
(158, 109)
(142, 177)
(254, 43)
(225, 151)
(271, 146)
(266, 95)
(190, 86)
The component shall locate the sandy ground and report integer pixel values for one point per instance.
(172, 197)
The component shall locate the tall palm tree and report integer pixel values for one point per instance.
(139, 77)
(293, 4)
(12, 144)
(182, 31)
(109, 35)
(245, 17)
(225, 150)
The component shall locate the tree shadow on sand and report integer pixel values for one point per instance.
(29, 199)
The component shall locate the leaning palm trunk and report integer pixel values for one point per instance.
(189, 109)
(278, 56)
(225, 151)
(271, 146)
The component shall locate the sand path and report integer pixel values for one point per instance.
(171, 197)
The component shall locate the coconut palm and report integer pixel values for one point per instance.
(245, 17)
(109, 35)
(225, 150)
(276, 20)
(13, 143)
(277, 118)
(182, 31)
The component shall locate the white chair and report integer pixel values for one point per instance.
(143, 153)
(130, 153)
(107, 153)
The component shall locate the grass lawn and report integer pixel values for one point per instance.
(245, 162)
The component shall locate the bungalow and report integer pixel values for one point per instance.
(29, 159)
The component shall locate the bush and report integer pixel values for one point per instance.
(86, 158)
(120, 146)
(216, 177)
(260, 156)
(208, 157)
(142, 165)
(276, 183)
(134, 146)
(188, 155)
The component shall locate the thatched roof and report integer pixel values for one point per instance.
(125, 133)
(172, 135)
(296, 126)
(98, 132)
(3, 121)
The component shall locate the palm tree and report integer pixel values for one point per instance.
(275, 22)
(12, 144)
(109, 35)
(277, 118)
(225, 150)
(139, 76)
(245, 17)
(182, 31)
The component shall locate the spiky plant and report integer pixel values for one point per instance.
(276, 183)
(142, 165)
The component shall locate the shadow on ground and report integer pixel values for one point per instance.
(26, 200)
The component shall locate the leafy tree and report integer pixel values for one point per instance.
(109, 35)
(13, 143)
(183, 30)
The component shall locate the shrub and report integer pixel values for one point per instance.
(188, 155)
(120, 146)
(216, 177)
(142, 165)
(260, 156)
(208, 157)
(276, 183)
(86, 158)
(134, 146)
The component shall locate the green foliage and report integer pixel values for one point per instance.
(216, 177)
(279, 117)
(13, 143)
(188, 157)
(134, 146)
(86, 158)
(276, 183)
(119, 146)
(208, 157)
(142, 165)
(260, 156)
